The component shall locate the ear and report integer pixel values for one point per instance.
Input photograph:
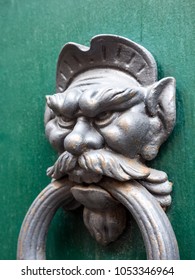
(160, 101)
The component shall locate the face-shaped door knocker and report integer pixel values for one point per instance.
(109, 116)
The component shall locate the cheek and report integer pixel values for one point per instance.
(113, 137)
(56, 135)
(111, 134)
(134, 127)
(127, 134)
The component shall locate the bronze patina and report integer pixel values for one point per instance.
(108, 117)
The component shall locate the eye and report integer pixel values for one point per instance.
(65, 122)
(104, 118)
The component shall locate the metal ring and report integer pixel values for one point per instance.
(158, 235)
(33, 233)
(157, 232)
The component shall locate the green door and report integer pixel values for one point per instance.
(32, 34)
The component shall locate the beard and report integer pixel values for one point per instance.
(93, 164)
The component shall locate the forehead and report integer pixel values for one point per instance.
(99, 90)
(103, 76)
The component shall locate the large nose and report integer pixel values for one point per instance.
(83, 137)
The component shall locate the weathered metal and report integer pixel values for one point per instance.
(155, 227)
(32, 239)
(109, 116)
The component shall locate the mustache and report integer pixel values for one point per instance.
(102, 162)
(62, 166)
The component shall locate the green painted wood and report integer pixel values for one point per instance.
(32, 34)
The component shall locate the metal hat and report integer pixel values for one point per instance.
(105, 51)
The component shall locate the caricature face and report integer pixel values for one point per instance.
(100, 129)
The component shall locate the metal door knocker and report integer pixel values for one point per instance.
(109, 116)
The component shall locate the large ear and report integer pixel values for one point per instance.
(160, 101)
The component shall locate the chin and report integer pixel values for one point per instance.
(82, 176)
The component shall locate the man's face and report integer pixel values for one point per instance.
(97, 129)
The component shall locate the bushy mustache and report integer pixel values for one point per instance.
(62, 166)
(102, 162)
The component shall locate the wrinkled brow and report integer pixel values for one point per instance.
(98, 100)
(93, 101)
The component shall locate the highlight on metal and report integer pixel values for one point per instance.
(109, 116)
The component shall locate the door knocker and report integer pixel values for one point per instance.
(108, 118)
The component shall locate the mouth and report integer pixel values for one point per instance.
(80, 175)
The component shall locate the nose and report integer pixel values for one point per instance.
(83, 137)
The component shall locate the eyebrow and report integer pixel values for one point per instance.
(95, 100)
(98, 100)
